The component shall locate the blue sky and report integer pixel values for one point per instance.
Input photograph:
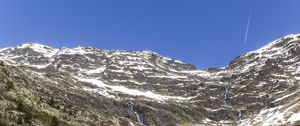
(206, 33)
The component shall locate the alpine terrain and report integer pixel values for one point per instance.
(86, 86)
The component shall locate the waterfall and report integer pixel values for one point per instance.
(239, 117)
(133, 109)
(240, 114)
(138, 118)
(226, 97)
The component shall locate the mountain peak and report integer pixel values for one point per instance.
(278, 43)
(31, 44)
(40, 48)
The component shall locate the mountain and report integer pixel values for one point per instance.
(41, 85)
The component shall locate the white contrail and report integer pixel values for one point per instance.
(247, 29)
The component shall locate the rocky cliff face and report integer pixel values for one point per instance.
(41, 85)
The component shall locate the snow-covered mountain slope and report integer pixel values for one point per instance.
(123, 71)
(143, 88)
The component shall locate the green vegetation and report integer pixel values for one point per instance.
(297, 123)
(10, 85)
(28, 114)
(28, 117)
(2, 123)
(52, 102)
(6, 71)
(20, 106)
(20, 120)
(54, 121)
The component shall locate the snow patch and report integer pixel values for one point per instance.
(98, 70)
(134, 92)
(295, 117)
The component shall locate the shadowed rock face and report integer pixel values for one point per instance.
(89, 86)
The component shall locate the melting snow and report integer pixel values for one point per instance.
(134, 92)
(98, 70)
(295, 117)
(38, 66)
(275, 116)
(77, 50)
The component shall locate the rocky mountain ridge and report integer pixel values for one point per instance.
(90, 86)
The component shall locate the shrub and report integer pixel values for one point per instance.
(6, 71)
(52, 103)
(10, 85)
(1, 63)
(54, 121)
(20, 106)
(2, 123)
(28, 117)
(20, 120)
